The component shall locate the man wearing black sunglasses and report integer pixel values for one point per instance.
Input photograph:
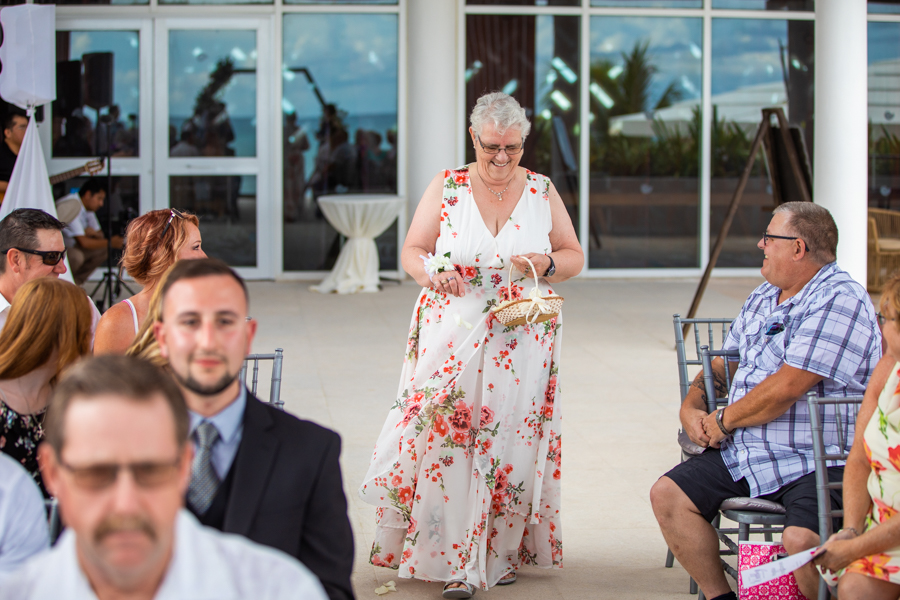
(31, 246)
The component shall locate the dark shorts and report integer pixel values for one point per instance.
(706, 481)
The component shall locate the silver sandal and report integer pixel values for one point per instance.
(506, 580)
(467, 591)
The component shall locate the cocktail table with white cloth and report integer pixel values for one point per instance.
(361, 218)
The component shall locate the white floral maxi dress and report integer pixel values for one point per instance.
(466, 472)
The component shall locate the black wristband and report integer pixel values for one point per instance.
(551, 270)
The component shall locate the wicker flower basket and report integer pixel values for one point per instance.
(531, 310)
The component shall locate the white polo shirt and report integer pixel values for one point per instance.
(206, 565)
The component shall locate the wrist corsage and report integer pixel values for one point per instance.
(436, 264)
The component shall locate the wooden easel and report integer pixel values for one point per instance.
(764, 135)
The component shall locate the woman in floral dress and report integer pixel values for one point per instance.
(868, 547)
(466, 471)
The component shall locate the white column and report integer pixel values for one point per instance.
(433, 133)
(841, 137)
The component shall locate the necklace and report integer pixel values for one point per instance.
(37, 418)
(498, 194)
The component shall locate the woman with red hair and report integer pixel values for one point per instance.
(153, 243)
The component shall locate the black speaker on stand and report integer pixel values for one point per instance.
(68, 88)
(98, 93)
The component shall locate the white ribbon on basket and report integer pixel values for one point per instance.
(538, 304)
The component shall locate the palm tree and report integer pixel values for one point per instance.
(630, 88)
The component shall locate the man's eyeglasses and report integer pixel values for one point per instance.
(495, 149)
(50, 258)
(102, 476)
(768, 236)
(173, 212)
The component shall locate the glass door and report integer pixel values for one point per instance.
(84, 123)
(212, 90)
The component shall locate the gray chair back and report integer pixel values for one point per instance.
(714, 330)
(685, 360)
(253, 360)
(844, 408)
(54, 525)
(706, 357)
(754, 516)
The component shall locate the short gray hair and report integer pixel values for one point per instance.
(815, 226)
(502, 111)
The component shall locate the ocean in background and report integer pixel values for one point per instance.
(244, 143)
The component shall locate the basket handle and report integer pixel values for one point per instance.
(509, 287)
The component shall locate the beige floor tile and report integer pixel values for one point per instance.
(343, 356)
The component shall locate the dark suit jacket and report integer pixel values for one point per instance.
(287, 493)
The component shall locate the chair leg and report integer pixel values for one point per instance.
(743, 532)
(694, 588)
(768, 537)
(701, 596)
(670, 559)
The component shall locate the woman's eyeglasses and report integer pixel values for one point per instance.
(50, 258)
(495, 149)
(882, 319)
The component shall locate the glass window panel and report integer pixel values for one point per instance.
(76, 130)
(891, 7)
(649, 3)
(804, 5)
(124, 202)
(340, 78)
(884, 115)
(536, 60)
(645, 142)
(86, 2)
(212, 93)
(524, 2)
(338, 2)
(195, 2)
(226, 207)
(755, 64)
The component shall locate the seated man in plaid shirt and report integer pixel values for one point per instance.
(810, 327)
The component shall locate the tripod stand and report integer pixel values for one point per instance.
(111, 284)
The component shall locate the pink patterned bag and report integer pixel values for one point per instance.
(754, 554)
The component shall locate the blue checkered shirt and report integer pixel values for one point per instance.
(829, 328)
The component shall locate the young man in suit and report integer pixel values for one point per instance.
(258, 471)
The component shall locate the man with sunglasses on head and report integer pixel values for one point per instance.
(810, 327)
(258, 471)
(118, 459)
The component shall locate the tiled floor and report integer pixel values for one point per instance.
(620, 400)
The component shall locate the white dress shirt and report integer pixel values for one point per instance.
(4, 310)
(206, 565)
(23, 521)
(78, 226)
